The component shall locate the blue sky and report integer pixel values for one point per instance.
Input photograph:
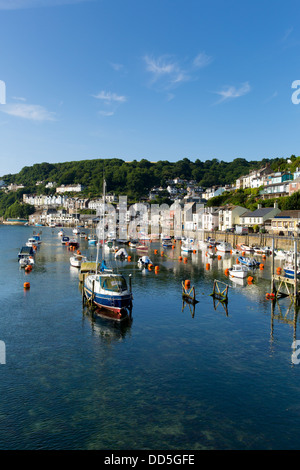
(154, 79)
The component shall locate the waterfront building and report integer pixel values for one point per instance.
(286, 223)
(259, 216)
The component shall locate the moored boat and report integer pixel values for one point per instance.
(77, 260)
(250, 262)
(239, 271)
(224, 247)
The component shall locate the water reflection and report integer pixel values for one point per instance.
(108, 330)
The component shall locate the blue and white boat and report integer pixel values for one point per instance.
(249, 262)
(65, 240)
(106, 289)
(289, 271)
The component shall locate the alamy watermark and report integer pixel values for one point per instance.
(2, 353)
(2, 92)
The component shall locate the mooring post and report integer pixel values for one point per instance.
(296, 271)
(272, 273)
(83, 294)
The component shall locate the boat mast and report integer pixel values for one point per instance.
(102, 227)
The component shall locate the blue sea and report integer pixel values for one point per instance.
(170, 378)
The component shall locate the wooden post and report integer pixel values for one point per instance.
(296, 270)
(83, 293)
(272, 273)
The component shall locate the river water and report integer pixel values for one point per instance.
(171, 378)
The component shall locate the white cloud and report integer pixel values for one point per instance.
(21, 4)
(32, 112)
(111, 101)
(165, 71)
(202, 60)
(231, 92)
(116, 67)
(110, 97)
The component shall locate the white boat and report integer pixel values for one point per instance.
(76, 231)
(224, 247)
(239, 271)
(31, 242)
(26, 261)
(289, 271)
(61, 233)
(77, 260)
(121, 253)
(280, 253)
(144, 262)
(243, 247)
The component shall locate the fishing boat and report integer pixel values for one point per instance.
(37, 239)
(25, 252)
(289, 271)
(65, 240)
(224, 247)
(238, 271)
(26, 261)
(73, 243)
(243, 247)
(133, 243)
(250, 262)
(31, 242)
(142, 248)
(77, 260)
(187, 245)
(167, 244)
(121, 253)
(144, 261)
(108, 290)
(61, 233)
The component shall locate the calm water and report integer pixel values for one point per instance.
(167, 380)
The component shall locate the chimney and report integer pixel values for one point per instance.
(259, 206)
(275, 205)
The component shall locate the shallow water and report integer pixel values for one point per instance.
(169, 379)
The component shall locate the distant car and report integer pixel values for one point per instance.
(229, 230)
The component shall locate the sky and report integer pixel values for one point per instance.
(154, 79)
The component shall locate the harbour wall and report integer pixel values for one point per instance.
(259, 239)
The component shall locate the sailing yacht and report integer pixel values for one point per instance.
(106, 289)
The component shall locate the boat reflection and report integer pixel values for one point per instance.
(108, 330)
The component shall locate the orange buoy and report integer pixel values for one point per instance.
(185, 260)
(261, 266)
(187, 283)
(219, 257)
(156, 269)
(237, 261)
(243, 253)
(250, 279)
(129, 258)
(194, 251)
(180, 258)
(155, 252)
(264, 257)
(226, 272)
(26, 285)
(207, 266)
(150, 266)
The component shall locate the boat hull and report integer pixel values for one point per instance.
(114, 304)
